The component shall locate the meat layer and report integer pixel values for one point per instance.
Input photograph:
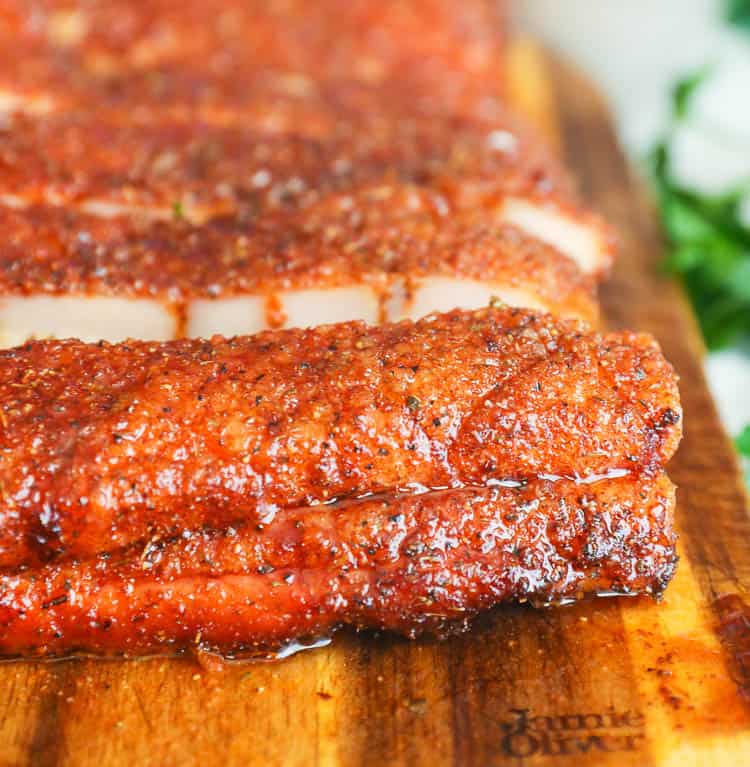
(187, 112)
(382, 253)
(409, 563)
(63, 55)
(198, 171)
(104, 444)
(84, 157)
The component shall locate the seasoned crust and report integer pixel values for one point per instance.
(385, 235)
(207, 170)
(120, 441)
(162, 54)
(410, 563)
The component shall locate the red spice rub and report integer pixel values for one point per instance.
(409, 563)
(106, 444)
(374, 235)
(445, 56)
(206, 170)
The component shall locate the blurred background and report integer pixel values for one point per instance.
(677, 75)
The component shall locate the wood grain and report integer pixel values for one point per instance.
(612, 682)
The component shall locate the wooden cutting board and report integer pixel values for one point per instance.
(610, 682)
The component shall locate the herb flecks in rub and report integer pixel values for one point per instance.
(413, 403)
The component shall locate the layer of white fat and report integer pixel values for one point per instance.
(441, 294)
(194, 213)
(304, 308)
(307, 308)
(295, 308)
(103, 208)
(111, 209)
(581, 242)
(90, 318)
(243, 315)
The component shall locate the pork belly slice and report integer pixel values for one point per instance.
(198, 171)
(384, 253)
(255, 95)
(408, 563)
(107, 444)
(261, 99)
(448, 56)
(373, 40)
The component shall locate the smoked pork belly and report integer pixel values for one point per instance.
(204, 167)
(412, 563)
(62, 55)
(296, 34)
(199, 171)
(104, 446)
(383, 253)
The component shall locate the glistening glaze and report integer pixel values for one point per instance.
(105, 445)
(408, 563)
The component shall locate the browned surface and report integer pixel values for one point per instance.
(106, 445)
(432, 54)
(200, 170)
(403, 562)
(623, 682)
(376, 235)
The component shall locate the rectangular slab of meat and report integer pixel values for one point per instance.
(408, 563)
(216, 58)
(385, 253)
(171, 169)
(174, 170)
(292, 203)
(113, 451)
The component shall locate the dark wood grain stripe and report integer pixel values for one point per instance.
(47, 742)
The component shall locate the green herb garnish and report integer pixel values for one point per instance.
(413, 403)
(743, 446)
(743, 442)
(709, 245)
(684, 90)
(738, 13)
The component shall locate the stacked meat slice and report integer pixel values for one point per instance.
(382, 253)
(228, 167)
(225, 59)
(182, 169)
(252, 490)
